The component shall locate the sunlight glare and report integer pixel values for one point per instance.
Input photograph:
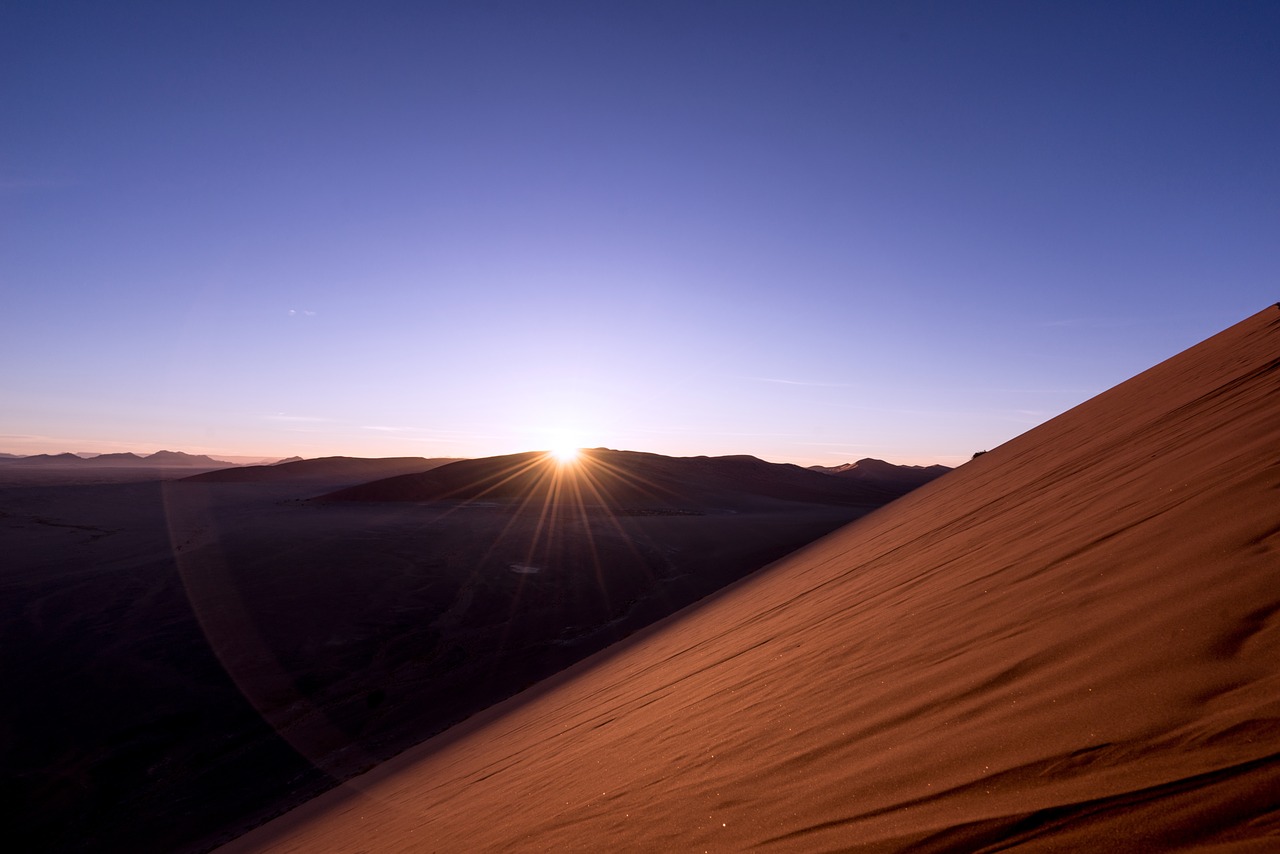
(564, 454)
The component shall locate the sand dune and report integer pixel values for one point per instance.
(904, 478)
(323, 469)
(622, 481)
(1068, 644)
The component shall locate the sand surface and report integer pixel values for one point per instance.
(1071, 643)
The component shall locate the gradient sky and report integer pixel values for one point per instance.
(812, 232)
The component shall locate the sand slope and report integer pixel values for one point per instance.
(1071, 643)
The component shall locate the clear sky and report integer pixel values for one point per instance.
(809, 231)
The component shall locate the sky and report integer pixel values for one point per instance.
(808, 231)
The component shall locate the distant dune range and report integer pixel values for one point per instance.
(886, 474)
(616, 479)
(160, 459)
(1071, 643)
(199, 653)
(324, 469)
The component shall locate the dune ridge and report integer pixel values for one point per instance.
(1069, 643)
(905, 478)
(610, 478)
(353, 469)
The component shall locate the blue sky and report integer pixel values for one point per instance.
(812, 232)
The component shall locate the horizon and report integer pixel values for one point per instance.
(565, 454)
(810, 233)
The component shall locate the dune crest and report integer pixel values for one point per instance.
(1070, 643)
(610, 478)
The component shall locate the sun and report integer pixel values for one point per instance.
(565, 444)
(565, 454)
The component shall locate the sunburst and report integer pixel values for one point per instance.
(565, 454)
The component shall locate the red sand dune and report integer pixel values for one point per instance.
(1071, 643)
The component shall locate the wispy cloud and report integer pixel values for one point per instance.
(813, 383)
(430, 434)
(704, 431)
(293, 312)
(302, 419)
(991, 390)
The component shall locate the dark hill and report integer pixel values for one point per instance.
(626, 480)
(123, 459)
(160, 459)
(322, 469)
(181, 458)
(887, 475)
(67, 459)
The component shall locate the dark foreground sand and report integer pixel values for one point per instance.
(186, 658)
(1070, 644)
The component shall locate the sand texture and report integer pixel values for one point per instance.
(1071, 643)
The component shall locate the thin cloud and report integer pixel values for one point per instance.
(307, 419)
(811, 383)
(702, 431)
(990, 390)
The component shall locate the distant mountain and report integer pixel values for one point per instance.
(887, 475)
(46, 460)
(282, 462)
(628, 480)
(124, 459)
(10, 456)
(160, 459)
(333, 469)
(179, 458)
